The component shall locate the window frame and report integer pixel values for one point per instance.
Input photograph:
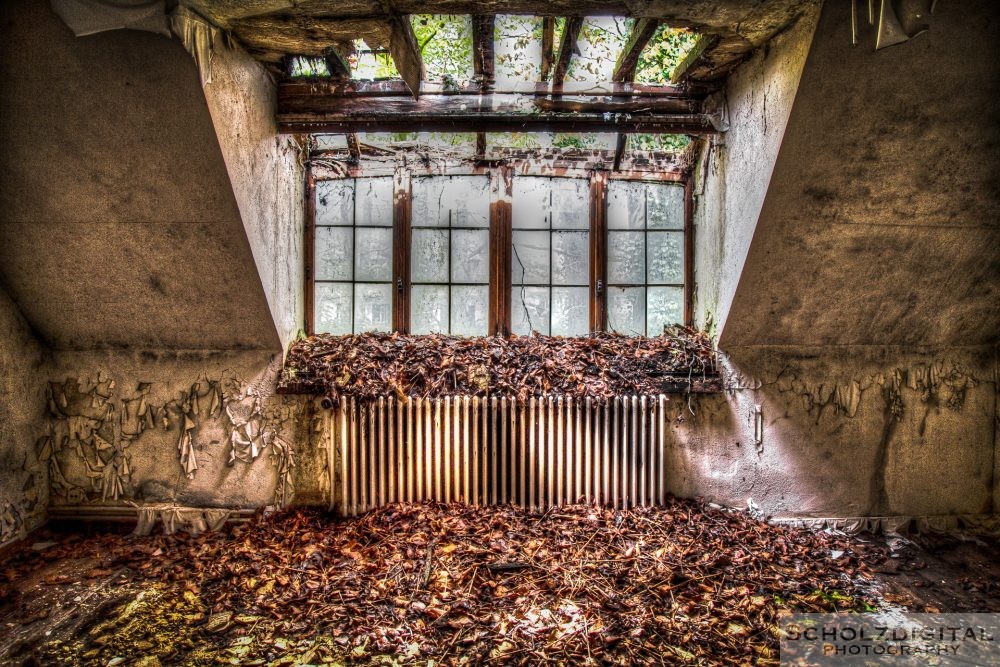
(500, 234)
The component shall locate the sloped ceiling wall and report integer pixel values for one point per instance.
(118, 223)
(881, 224)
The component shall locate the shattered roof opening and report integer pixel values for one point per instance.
(445, 43)
(666, 50)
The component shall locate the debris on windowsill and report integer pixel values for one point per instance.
(602, 365)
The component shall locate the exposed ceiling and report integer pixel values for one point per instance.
(272, 29)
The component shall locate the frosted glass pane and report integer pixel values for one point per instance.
(530, 206)
(666, 257)
(570, 311)
(664, 307)
(518, 49)
(461, 201)
(664, 206)
(373, 259)
(428, 309)
(333, 308)
(469, 304)
(570, 203)
(626, 205)
(529, 307)
(626, 258)
(372, 307)
(374, 201)
(470, 256)
(334, 251)
(570, 258)
(529, 259)
(429, 261)
(335, 202)
(626, 310)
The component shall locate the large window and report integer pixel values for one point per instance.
(478, 253)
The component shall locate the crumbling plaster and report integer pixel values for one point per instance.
(23, 479)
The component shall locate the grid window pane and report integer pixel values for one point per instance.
(531, 202)
(469, 304)
(458, 201)
(665, 258)
(334, 249)
(429, 308)
(626, 258)
(664, 206)
(373, 256)
(664, 308)
(374, 202)
(470, 257)
(530, 259)
(570, 311)
(372, 307)
(334, 308)
(429, 256)
(570, 203)
(529, 310)
(626, 205)
(335, 202)
(570, 258)
(627, 310)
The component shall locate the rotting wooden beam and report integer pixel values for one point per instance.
(483, 27)
(480, 146)
(353, 146)
(337, 63)
(404, 49)
(701, 46)
(598, 251)
(642, 31)
(622, 140)
(548, 46)
(567, 47)
(294, 90)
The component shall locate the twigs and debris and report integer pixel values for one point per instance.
(601, 365)
(407, 584)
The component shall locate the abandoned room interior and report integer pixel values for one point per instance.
(458, 332)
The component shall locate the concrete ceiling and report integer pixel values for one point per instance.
(118, 223)
(881, 224)
(271, 29)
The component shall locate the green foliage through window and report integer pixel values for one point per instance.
(445, 43)
(663, 53)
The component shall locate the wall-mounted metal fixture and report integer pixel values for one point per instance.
(890, 30)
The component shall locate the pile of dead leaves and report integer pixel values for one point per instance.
(407, 584)
(601, 365)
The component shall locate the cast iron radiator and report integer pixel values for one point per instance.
(540, 453)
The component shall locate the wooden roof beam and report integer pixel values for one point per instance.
(567, 47)
(483, 49)
(404, 49)
(548, 46)
(642, 31)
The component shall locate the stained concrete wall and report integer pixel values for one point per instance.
(23, 478)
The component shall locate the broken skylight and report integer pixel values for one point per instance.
(445, 43)
(601, 40)
(371, 63)
(518, 49)
(667, 48)
(308, 67)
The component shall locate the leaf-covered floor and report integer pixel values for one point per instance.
(407, 584)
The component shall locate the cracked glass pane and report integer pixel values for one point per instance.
(570, 258)
(470, 256)
(373, 258)
(372, 307)
(429, 309)
(374, 201)
(469, 305)
(570, 203)
(333, 308)
(626, 258)
(666, 258)
(529, 310)
(626, 310)
(531, 202)
(530, 261)
(626, 205)
(570, 311)
(664, 206)
(335, 202)
(664, 308)
(334, 250)
(429, 258)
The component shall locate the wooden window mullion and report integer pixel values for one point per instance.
(309, 251)
(689, 251)
(501, 238)
(402, 209)
(598, 252)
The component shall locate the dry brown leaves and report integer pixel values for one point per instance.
(601, 365)
(499, 585)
